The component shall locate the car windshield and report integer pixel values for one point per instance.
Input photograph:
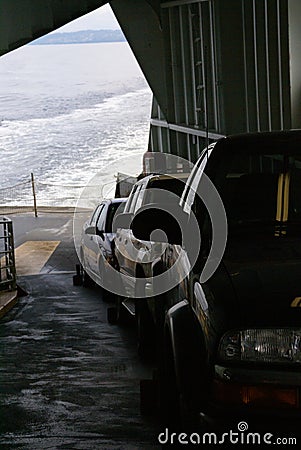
(261, 191)
(259, 181)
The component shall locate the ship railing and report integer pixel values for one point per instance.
(7, 256)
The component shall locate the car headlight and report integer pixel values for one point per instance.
(281, 345)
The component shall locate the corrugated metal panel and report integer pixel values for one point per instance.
(266, 65)
(295, 66)
(228, 68)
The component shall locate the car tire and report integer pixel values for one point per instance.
(148, 397)
(107, 296)
(169, 399)
(112, 315)
(116, 315)
(82, 278)
(86, 279)
(77, 280)
(174, 407)
(146, 338)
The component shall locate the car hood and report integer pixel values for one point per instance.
(266, 279)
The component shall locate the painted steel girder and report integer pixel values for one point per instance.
(22, 21)
(141, 23)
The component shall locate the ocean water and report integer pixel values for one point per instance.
(67, 113)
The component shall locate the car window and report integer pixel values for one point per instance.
(258, 187)
(133, 205)
(174, 185)
(95, 214)
(130, 199)
(262, 188)
(102, 219)
(113, 207)
(139, 197)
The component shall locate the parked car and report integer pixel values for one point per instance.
(231, 345)
(97, 244)
(133, 255)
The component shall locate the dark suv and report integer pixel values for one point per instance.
(232, 343)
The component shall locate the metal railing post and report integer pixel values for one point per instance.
(8, 280)
(34, 196)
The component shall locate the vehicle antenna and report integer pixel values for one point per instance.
(206, 97)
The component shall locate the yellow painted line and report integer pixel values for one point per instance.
(7, 301)
(32, 256)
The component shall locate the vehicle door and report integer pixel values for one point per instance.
(87, 238)
(190, 202)
(172, 189)
(105, 232)
(126, 243)
(97, 239)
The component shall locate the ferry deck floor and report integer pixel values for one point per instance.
(68, 379)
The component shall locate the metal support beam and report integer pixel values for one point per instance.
(21, 21)
(143, 29)
(295, 54)
(186, 130)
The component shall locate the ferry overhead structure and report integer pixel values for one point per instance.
(215, 67)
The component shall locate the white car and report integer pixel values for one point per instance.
(97, 244)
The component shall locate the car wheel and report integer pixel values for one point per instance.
(77, 279)
(106, 295)
(169, 399)
(116, 315)
(82, 278)
(112, 315)
(174, 407)
(146, 338)
(87, 280)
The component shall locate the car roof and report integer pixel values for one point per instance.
(273, 141)
(114, 200)
(119, 200)
(170, 176)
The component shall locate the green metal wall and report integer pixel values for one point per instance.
(229, 72)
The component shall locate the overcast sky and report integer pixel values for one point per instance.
(100, 19)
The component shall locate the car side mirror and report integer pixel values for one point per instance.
(90, 229)
(122, 220)
(159, 225)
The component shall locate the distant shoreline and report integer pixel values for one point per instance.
(81, 37)
(73, 43)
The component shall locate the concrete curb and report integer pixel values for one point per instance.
(7, 301)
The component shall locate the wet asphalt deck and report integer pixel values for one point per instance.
(68, 379)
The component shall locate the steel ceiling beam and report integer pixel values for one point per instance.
(22, 21)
